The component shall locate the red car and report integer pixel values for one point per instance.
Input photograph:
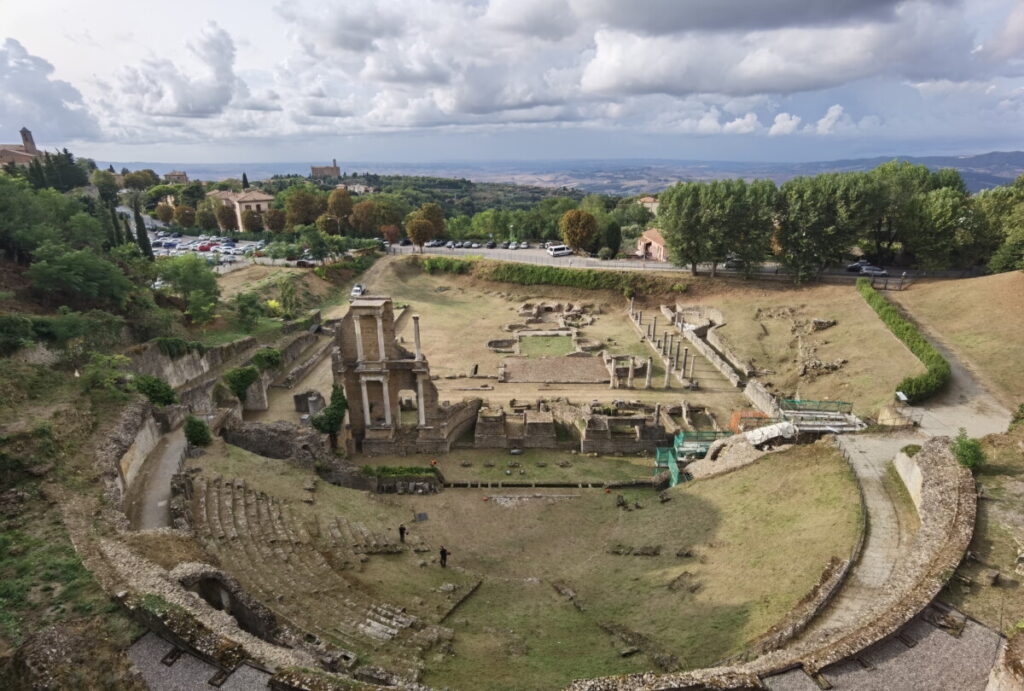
(204, 247)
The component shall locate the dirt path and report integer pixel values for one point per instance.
(149, 507)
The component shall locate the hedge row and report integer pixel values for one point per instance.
(626, 282)
(938, 373)
(399, 471)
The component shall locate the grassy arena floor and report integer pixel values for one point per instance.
(741, 529)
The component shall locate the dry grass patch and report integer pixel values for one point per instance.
(982, 320)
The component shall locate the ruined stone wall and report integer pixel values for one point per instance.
(539, 430)
(147, 359)
(702, 347)
(490, 432)
(910, 472)
(300, 446)
(720, 344)
(762, 399)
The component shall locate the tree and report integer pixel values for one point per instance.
(613, 238)
(274, 220)
(316, 242)
(80, 278)
(226, 217)
(188, 274)
(419, 230)
(245, 181)
(577, 228)
(164, 212)
(248, 310)
(185, 216)
(967, 451)
(432, 212)
(339, 204)
(812, 232)
(141, 180)
(197, 432)
(329, 420)
(302, 207)
(206, 219)
(391, 234)
(192, 194)
(158, 391)
(106, 186)
(328, 224)
(134, 200)
(364, 218)
(252, 221)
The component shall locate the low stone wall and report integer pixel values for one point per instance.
(762, 399)
(702, 347)
(719, 344)
(121, 452)
(298, 445)
(910, 472)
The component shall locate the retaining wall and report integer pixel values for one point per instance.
(762, 399)
(702, 347)
(148, 359)
(910, 472)
(719, 343)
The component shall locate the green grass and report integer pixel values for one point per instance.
(267, 329)
(545, 346)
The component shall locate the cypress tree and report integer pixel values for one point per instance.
(141, 235)
(245, 181)
(118, 238)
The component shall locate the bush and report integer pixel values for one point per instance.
(967, 451)
(197, 432)
(445, 265)
(605, 253)
(240, 379)
(911, 449)
(398, 470)
(106, 373)
(267, 358)
(175, 348)
(937, 375)
(1018, 417)
(156, 390)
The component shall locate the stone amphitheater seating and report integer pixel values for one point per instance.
(260, 541)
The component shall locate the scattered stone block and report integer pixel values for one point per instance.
(627, 652)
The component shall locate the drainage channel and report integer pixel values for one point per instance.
(529, 485)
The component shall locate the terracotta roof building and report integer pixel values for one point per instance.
(176, 177)
(652, 245)
(246, 200)
(649, 203)
(20, 154)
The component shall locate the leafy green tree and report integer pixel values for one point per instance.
(201, 306)
(419, 230)
(329, 420)
(106, 373)
(158, 391)
(192, 194)
(206, 219)
(288, 296)
(577, 228)
(248, 310)
(339, 204)
(239, 380)
(134, 199)
(141, 180)
(185, 216)
(274, 220)
(679, 215)
(613, 237)
(432, 213)
(106, 186)
(80, 278)
(812, 233)
(328, 224)
(303, 206)
(165, 212)
(188, 274)
(226, 217)
(316, 242)
(252, 221)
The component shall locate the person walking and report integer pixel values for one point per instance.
(444, 557)
(401, 532)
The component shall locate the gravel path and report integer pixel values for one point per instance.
(149, 506)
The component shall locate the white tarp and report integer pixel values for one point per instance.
(786, 430)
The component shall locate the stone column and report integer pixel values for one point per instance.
(416, 335)
(650, 368)
(668, 373)
(675, 358)
(385, 390)
(668, 346)
(359, 337)
(654, 326)
(686, 356)
(693, 362)
(420, 408)
(380, 338)
(631, 305)
(366, 403)
(629, 382)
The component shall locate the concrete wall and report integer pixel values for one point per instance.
(762, 399)
(146, 439)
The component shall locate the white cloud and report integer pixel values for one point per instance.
(545, 19)
(784, 123)
(744, 125)
(827, 124)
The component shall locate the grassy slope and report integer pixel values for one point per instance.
(744, 529)
(982, 319)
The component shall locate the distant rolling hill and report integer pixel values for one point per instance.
(620, 176)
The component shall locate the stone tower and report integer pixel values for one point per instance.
(27, 141)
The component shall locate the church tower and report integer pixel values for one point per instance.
(28, 142)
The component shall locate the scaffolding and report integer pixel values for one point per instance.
(817, 406)
(687, 445)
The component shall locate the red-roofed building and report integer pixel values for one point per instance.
(652, 245)
(649, 203)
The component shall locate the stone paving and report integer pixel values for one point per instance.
(188, 671)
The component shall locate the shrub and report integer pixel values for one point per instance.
(680, 287)
(240, 379)
(197, 432)
(911, 449)
(937, 375)
(445, 265)
(398, 470)
(1018, 417)
(175, 348)
(105, 373)
(605, 253)
(967, 451)
(155, 389)
(267, 358)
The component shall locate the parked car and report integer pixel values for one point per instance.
(451, 245)
(405, 242)
(869, 270)
(559, 251)
(524, 245)
(491, 244)
(857, 265)
(358, 290)
(734, 262)
(504, 245)
(475, 245)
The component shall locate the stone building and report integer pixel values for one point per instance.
(176, 177)
(356, 188)
(331, 171)
(377, 374)
(246, 200)
(651, 245)
(649, 203)
(20, 154)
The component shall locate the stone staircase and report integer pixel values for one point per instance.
(260, 541)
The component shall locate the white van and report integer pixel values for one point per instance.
(559, 250)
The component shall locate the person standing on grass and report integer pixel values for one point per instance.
(401, 532)
(444, 557)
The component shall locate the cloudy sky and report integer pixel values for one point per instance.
(437, 80)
